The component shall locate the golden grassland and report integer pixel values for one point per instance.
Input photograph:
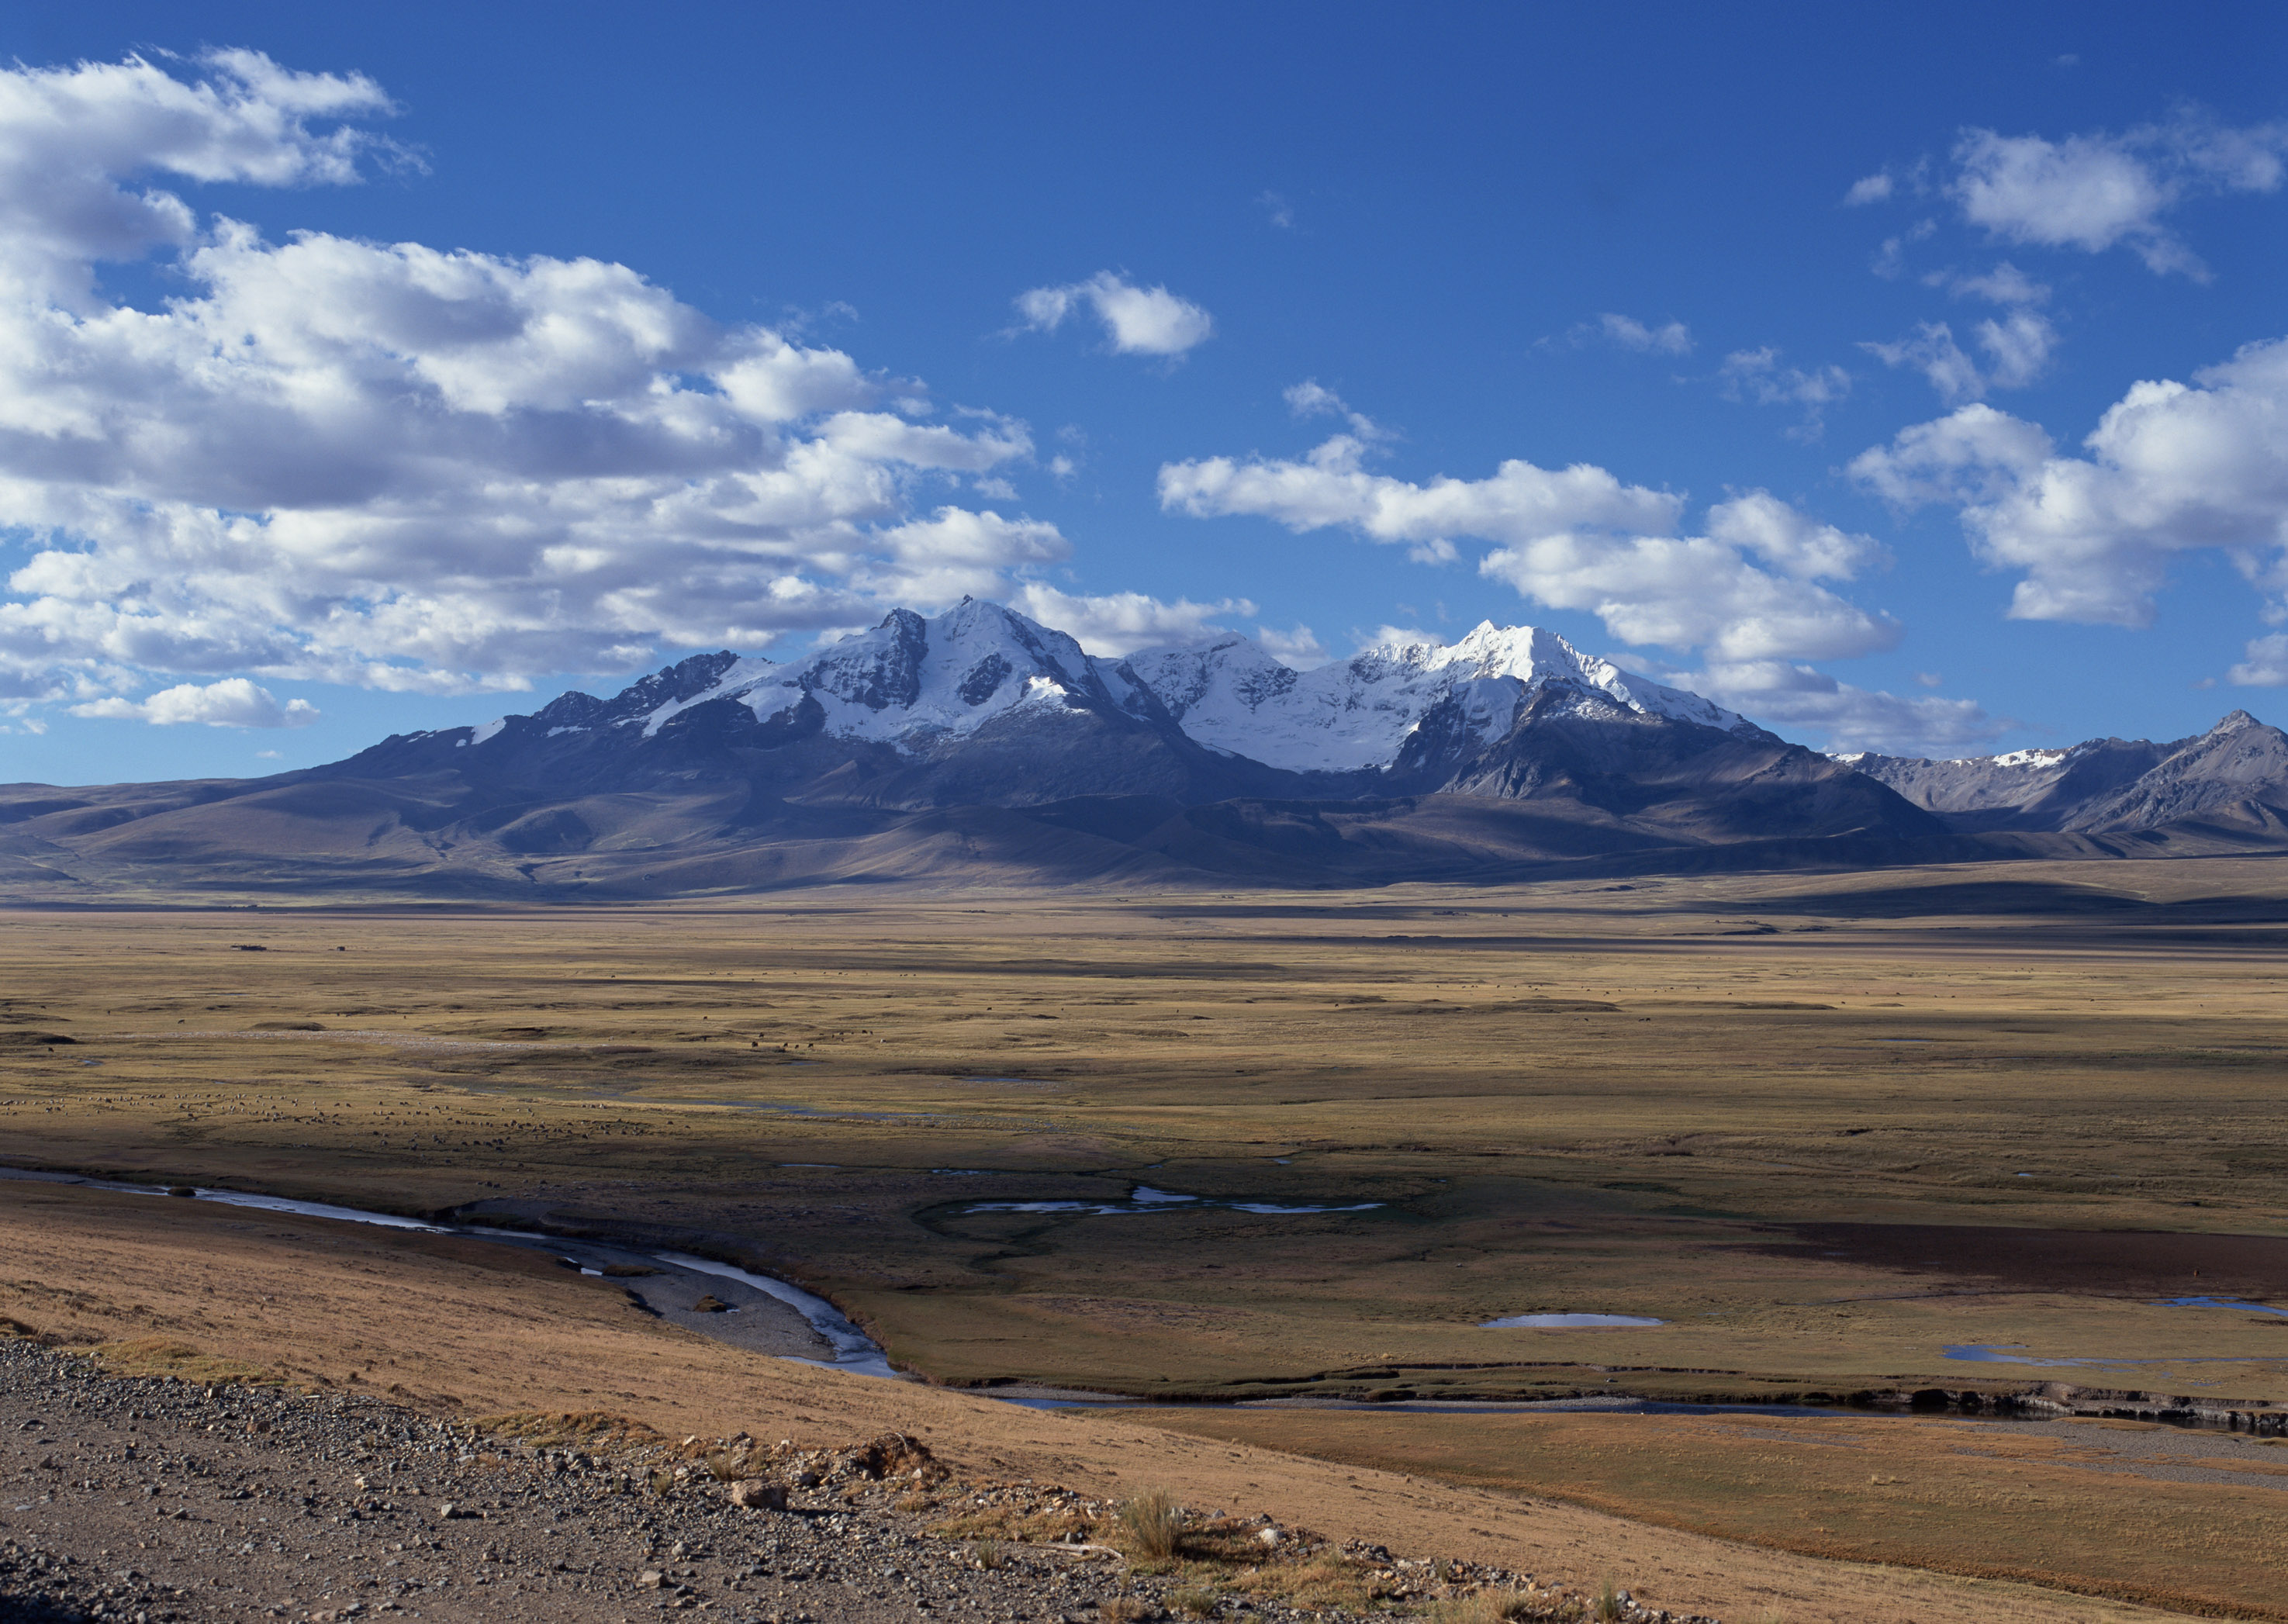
(1823, 1127)
(469, 1329)
(2048, 1505)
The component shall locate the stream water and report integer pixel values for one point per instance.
(859, 1354)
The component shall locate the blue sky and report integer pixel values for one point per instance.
(436, 359)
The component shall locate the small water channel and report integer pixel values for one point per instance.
(859, 1354)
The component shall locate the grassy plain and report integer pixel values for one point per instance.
(1823, 1127)
(471, 1330)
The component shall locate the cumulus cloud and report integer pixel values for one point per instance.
(2095, 192)
(2264, 663)
(1669, 338)
(1137, 321)
(1577, 538)
(1120, 623)
(1297, 647)
(405, 467)
(1869, 189)
(231, 702)
(1788, 697)
(2170, 468)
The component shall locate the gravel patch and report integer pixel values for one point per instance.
(151, 1499)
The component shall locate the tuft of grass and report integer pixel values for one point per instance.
(590, 1430)
(917, 1502)
(159, 1356)
(1152, 1525)
(1126, 1610)
(1194, 1601)
(1608, 1608)
(989, 1553)
(727, 1467)
(661, 1483)
(1327, 1582)
(1500, 1607)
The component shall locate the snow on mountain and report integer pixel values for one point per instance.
(924, 684)
(918, 682)
(1358, 713)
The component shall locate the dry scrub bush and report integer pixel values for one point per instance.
(1152, 1524)
(1500, 1607)
(159, 1356)
(1194, 1601)
(1017, 1525)
(1327, 1581)
(594, 1431)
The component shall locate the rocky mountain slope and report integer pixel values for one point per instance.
(2232, 780)
(977, 745)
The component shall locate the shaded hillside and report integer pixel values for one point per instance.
(981, 748)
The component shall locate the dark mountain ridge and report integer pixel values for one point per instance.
(979, 748)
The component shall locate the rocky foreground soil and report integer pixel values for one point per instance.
(158, 1498)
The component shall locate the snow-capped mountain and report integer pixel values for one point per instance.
(1359, 714)
(2236, 772)
(924, 684)
(979, 743)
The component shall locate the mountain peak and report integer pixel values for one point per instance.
(1359, 714)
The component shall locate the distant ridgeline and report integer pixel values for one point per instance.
(980, 747)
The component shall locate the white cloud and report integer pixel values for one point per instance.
(2092, 192)
(1789, 541)
(2018, 348)
(1669, 338)
(1312, 399)
(2170, 468)
(2265, 664)
(1787, 697)
(1138, 321)
(1297, 647)
(1578, 539)
(72, 138)
(1869, 189)
(2005, 284)
(231, 702)
(1756, 375)
(1277, 209)
(1934, 352)
(1120, 623)
(404, 467)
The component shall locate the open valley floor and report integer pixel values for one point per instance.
(1976, 1172)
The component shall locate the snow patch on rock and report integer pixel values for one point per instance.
(1358, 713)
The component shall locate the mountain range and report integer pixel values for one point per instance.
(980, 747)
